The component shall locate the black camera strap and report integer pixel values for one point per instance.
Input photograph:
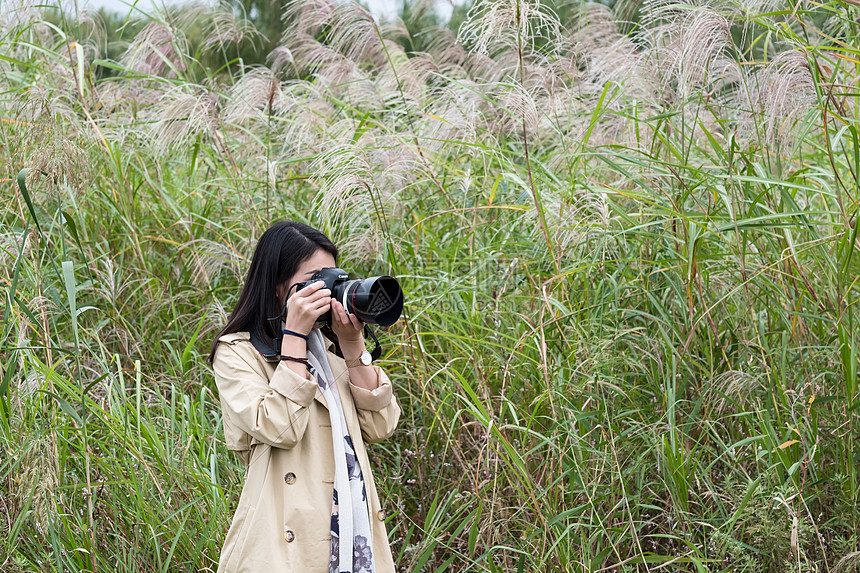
(268, 352)
(377, 349)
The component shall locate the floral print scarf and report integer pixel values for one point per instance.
(350, 524)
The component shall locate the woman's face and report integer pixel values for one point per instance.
(308, 268)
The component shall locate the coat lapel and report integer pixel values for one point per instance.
(320, 398)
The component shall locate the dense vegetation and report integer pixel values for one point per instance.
(627, 238)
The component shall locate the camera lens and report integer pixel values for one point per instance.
(374, 300)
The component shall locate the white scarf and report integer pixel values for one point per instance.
(351, 532)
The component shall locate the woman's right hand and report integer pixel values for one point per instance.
(306, 305)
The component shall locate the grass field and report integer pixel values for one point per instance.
(627, 238)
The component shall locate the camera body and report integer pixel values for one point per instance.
(374, 300)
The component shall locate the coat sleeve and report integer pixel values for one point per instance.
(274, 412)
(378, 411)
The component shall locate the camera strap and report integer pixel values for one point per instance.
(269, 353)
(377, 349)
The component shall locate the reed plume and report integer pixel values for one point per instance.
(157, 50)
(225, 27)
(494, 25)
(347, 194)
(778, 99)
(611, 57)
(350, 29)
(279, 58)
(691, 51)
(18, 14)
(307, 111)
(254, 97)
(182, 115)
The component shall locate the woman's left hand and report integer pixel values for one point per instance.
(348, 329)
(349, 332)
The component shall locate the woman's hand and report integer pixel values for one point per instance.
(348, 329)
(306, 306)
(349, 335)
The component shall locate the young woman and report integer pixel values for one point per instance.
(298, 416)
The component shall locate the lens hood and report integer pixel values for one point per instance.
(374, 300)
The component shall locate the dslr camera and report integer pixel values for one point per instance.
(374, 300)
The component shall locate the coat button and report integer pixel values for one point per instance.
(289, 536)
(290, 478)
(380, 515)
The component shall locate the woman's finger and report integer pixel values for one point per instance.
(348, 318)
(337, 310)
(318, 306)
(310, 291)
(321, 293)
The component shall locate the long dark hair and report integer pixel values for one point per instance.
(282, 248)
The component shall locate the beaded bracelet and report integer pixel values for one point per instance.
(298, 334)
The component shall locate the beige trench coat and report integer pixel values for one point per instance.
(278, 424)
